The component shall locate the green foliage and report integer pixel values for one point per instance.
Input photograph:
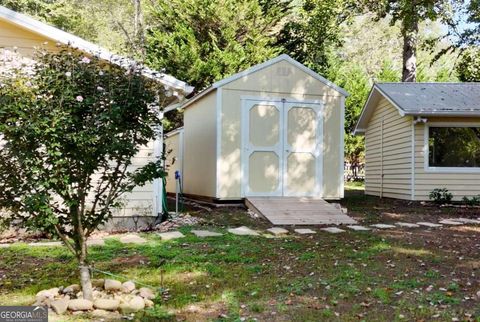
(202, 41)
(314, 33)
(106, 22)
(70, 130)
(468, 67)
(440, 196)
(473, 201)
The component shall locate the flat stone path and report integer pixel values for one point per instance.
(358, 228)
(243, 231)
(277, 231)
(467, 221)
(171, 235)
(383, 226)
(333, 230)
(132, 239)
(96, 242)
(305, 231)
(428, 224)
(407, 224)
(205, 233)
(450, 222)
(49, 244)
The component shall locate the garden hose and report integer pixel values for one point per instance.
(164, 200)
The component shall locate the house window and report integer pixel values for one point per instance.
(454, 147)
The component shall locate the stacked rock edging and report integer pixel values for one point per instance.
(109, 297)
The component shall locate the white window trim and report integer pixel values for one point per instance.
(426, 150)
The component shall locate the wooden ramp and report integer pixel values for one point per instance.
(298, 211)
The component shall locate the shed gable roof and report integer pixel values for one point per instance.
(424, 99)
(259, 67)
(65, 38)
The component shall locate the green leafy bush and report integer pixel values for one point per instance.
(474, 201)
(440, 196)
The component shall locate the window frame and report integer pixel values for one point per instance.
(426, 148)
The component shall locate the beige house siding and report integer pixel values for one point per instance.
(280, 80)
(141, 200)
(174, 150)
(459, 184)
(390, 153)
(200, 147)
(23, 41)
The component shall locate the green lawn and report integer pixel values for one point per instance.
(346, 277)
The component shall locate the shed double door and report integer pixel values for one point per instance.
(282, 144)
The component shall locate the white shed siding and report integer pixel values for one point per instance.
(200, 146)
(280, 80)
(459, 184)
(388, 153)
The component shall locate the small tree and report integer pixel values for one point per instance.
(70, 129)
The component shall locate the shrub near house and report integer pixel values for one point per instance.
(71, 127)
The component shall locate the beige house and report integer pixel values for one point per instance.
(422, 136)
(275, 129)
(20, 34)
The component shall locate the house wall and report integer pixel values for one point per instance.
(280, 80)
(199, 160)
(390, 154)
(174, 161)
(459, 184)
(22, 40)
(141, 200)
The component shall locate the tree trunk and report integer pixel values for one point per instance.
(410, 35)
(138, 32)
(86, 282)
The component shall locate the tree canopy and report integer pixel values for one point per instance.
(203, 41)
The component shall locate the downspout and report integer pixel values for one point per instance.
(415, 121)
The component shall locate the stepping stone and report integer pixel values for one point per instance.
(333, 230)
(358, 228)
(407, 224)
(382, 226)
(466, 220)
(55, 244)
(305, 231)
(243, 231)
(450, 222)
(95, 242)
(428, 224)
(205, 233)
(132, 239)
(277, 231)
(171, 235)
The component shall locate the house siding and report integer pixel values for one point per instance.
(459, 184)
(21, 40)
(389, 154)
